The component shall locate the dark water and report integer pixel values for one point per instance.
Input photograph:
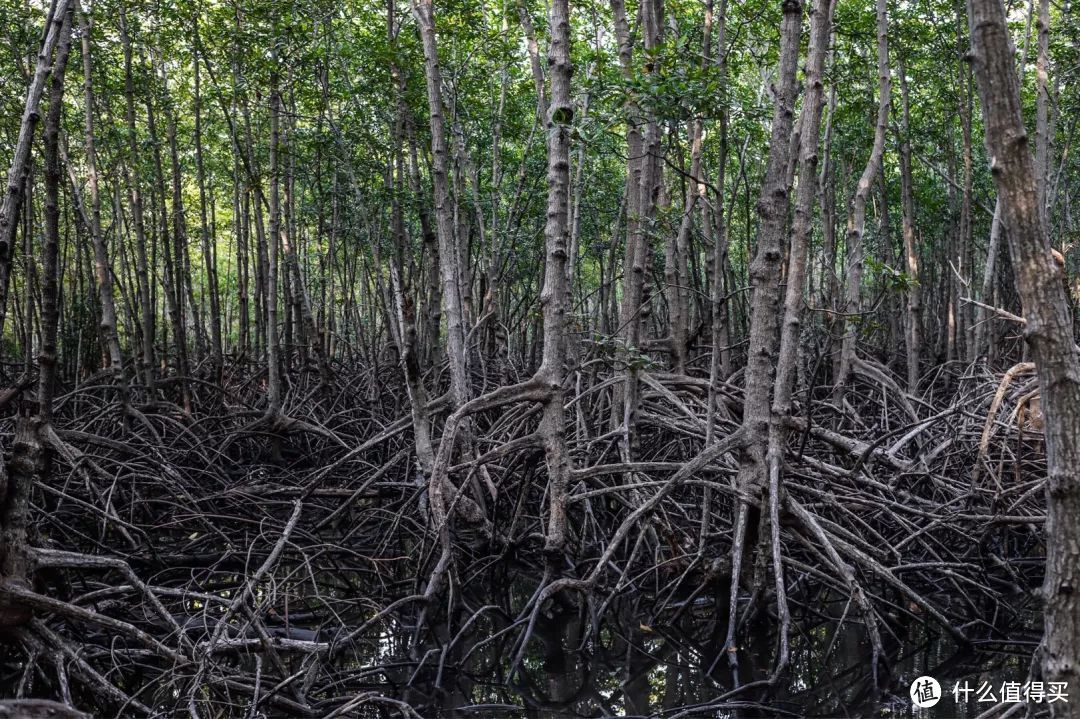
(575, 667)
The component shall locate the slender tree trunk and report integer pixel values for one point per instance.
(1042, 108)
(102, 265)
(633, 268)
(965, 255)
(982, 318)
(857, 223)
(29, 273)
(403, 306)
(911, 251)
(262, 271)
(787, 358)
(209, 261)
(645, 178)
(554, 299)
(535, 63)
(1048, 333)
(678, 275)
(432, 295)
(273, 389)
(143, 276)
(890, 301)
(307, 326)
(715, 223)
(27, 464)
(449, 257)
(185, 276)
(241, 233)
(16, 179)
(172, 279)
(813, 101)
(50, 251)
(827, 193)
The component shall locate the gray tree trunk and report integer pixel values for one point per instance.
(449, 256)
(555, 296)
(765, 276)
(102, 266)
(1048, 333)
(911, 252)
(857, 223)
(16, 178)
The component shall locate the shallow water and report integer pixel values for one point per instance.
(629, 668)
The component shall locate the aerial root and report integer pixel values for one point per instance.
(208, 571)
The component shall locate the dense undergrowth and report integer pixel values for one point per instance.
(219, 565)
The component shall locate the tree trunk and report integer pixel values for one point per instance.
(813, 101)
(1048, 333)
(827, 193)
(633, 270)
(857, 222)
(302, 301)
(911, 251)
(555, 296)
(143, 276)
(644, 180)
(273, 389)
(715, 223)
(209, 261)
(787, 361)
(965, 254)
(50, 251)
(172, 279)
(27, 461)
(16, 179)
(102, 266)
(1042, 109)
(449, 257)
(765, 277)
(241, 231)
(678, 276)
(402, 304)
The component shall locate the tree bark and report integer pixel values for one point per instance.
(274, 388)
(1042, 108)
(857, 223)
(143, 276)
(173, 277)
(403, 307)
(813, 101)
(302, 300)
(643, 185)
(765, 276)
(911, 252)
(554, 298)
(677, 275)
(27, 461)
(50, 251)
(633, 270)
(787, 359)
(449, 257)
(1048, 333)
(102, 267)
(209, 260)
(715, 222)
(16, 178)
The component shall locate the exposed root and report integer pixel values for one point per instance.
(317, 578)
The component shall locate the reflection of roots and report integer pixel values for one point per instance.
(212, 570)
(38, 709)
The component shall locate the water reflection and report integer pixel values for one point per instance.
(585, 661)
